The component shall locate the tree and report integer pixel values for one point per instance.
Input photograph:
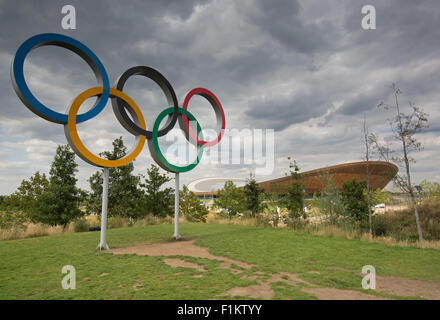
(330, 202)
(294, 197)
(10, 214)
(252, 195)
(83, 197)
(430, 190)
(271, 204)
(190, 206)
(30, 190)
(123, 193)
(380, 196)
(58, 205)
(231, 198)
(157, 200)
(368, 144)
(404, 127)
(15, 208)
(355, 200)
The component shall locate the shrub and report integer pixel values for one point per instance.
(293, 200)
(401, 225)
(151, 220)
(295, 223)
(190, 207)
(253, 195)
(231, 199)
(80, 225)
(355, 201)
(330, 203)
(264, 220)
(116, 222)
(12, 220)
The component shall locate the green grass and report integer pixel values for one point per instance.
(31, 268)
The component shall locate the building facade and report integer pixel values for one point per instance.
(381, 173)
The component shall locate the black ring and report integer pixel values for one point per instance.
(119, 106)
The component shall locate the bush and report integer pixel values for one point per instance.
(151, 220)
(12, 220)
(80, 225)
(295, 223)
(355, 201)
(264, 220)
(401, 225)
(330, 203)
(190, 207)
(231, 198)
(116, 222)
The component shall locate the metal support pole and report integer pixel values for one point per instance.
(103, 244)
(176, 208)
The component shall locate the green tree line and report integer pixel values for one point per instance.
(56, 200)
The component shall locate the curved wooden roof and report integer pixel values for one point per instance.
(381, 173)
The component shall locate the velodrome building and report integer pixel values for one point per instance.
(381, 174)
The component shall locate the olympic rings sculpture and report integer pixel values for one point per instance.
(121, 103)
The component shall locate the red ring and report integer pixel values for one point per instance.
(217, 108)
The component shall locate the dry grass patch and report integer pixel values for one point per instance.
(174, 262)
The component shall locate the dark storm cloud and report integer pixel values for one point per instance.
(363, 102)
(283, 21)
(123, 34)
(111, 28)
(406, 31)
(303, 68)
(278, 113)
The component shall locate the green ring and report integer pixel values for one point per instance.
(153, 144)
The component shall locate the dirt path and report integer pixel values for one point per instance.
(387, 284)
(410, 288)
(402, 286)
(181, 263)
(178, 248)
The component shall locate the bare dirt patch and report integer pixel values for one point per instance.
(178, 248)
(403, 287)
(174, 262)
(137, 286)
(387, 284)
(263, 289)
(338, 294)
(104, 274)
(289, 278)
(407, 287)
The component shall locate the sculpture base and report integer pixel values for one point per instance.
(102, 246)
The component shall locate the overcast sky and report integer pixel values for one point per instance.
(305, 69)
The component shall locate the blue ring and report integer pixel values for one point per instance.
(26, 96)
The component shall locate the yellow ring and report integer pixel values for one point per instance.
(75, 142)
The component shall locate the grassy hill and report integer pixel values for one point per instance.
(31, 268)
